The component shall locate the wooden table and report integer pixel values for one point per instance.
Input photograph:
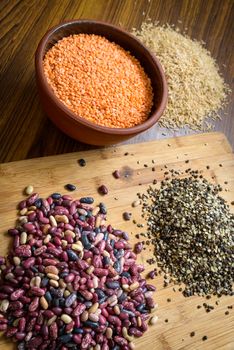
(25, 131)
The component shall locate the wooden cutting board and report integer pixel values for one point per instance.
(50, 174)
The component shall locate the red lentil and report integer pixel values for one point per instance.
(99, 81)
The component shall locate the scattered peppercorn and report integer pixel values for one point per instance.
(192, 334)
(204, 338)
(166, 320)
(168, 300)
(226, 312)
(82, 162)
(185, 219)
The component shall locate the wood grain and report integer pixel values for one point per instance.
(51, 173)
(25, 132)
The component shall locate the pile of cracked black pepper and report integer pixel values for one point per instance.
(192, 230)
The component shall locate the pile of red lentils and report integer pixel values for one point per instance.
(99, 81)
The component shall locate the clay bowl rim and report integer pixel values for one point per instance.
(39, 56)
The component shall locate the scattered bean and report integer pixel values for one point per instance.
(29, 190)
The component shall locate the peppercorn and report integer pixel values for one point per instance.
(186, 218)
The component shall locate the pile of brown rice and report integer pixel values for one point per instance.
(196, 89)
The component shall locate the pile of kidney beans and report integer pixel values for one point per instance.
(70, 281)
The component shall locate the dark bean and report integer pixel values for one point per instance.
(87, 200)
(48, 297)
(103, 209)
(81, 162)
(125, 236)
(70, 187)
(152, 274)
(91, 324)
(70, 299)
(78, 330)
(127, 216)
(106, 261)
(106, 235)
(85, 241)
(117, 266)
(44, 282)
(38, 203)
(138, 247)
(112, 284)
(21, 346)
(122, 297)
(71, 255)
(116, 174)
(56, 195)
(103, 189)
(65, 338)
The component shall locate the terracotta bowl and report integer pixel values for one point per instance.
(80, 128)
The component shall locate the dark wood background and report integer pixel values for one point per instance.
(25, 131)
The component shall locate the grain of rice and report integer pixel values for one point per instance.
(195, 88)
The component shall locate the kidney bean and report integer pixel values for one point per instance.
(35, 342)
(11, 332)
(30, 324)
(7, 289)
(22, 324)
(37, 291)
(16, 305)
(91, 275)
(80, 308)
(17, 294)
(3, 327)
(3, 296)
(114, 320)
(13, 231)
(150, 287)
(23, 251)
(53, 330)
(16, 242)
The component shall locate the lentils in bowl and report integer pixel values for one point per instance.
(98, 83)
(98, 80)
